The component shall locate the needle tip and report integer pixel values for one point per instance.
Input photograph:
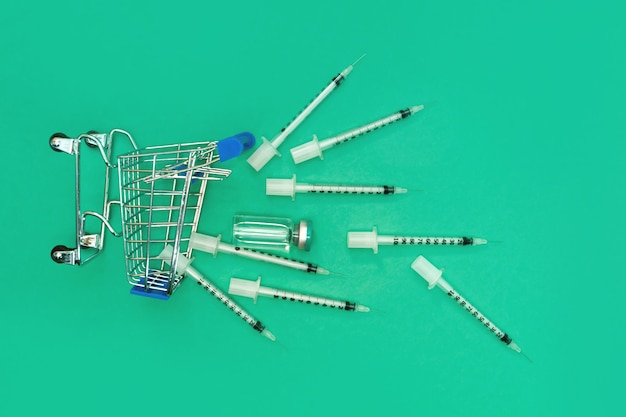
(269, 335)
(415, 109)
(518, 349)
(357, 61)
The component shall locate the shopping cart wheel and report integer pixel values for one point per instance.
(56, 135)
(89, 142)
(59, 254)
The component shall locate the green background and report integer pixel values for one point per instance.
(522, 141)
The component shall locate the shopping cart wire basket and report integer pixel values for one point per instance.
(162, 190)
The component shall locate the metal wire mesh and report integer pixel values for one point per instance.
(162, 191)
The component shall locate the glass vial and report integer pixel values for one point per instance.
(271, 233)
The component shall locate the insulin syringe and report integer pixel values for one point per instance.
(213, 244)
(289, 187)
(316, 147)
(183, 267)
(371, 240)
(433, 276)
(268, 149)
(253, 289)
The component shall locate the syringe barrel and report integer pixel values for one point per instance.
(343, 189)
(266, 292)
(307, 299)
(423, 240)
(252, 289)
(359, 131)
(265, 257)
(268, 149)
(226, 300)
(184, 267)
(278, 140)
(432, 275)
(458, 298)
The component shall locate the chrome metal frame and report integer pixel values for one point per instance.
(88, 245)
(162, 190)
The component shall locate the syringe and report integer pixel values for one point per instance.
(433, 276)
(213, 244)
(252, 289)
(268, 149)
(289, 187)
(371, 240)
(183, 267)
(315, 148)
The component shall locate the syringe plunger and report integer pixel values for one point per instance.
(306, 151)
(262, 155)
(281, 187)
(182, 262)
(245, 287)
(205, 243)
(428, 271)
(363, 240)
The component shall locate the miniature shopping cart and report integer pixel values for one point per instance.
(162, 191)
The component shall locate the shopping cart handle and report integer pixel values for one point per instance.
(233, 146)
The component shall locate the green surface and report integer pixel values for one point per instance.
(522, 141)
